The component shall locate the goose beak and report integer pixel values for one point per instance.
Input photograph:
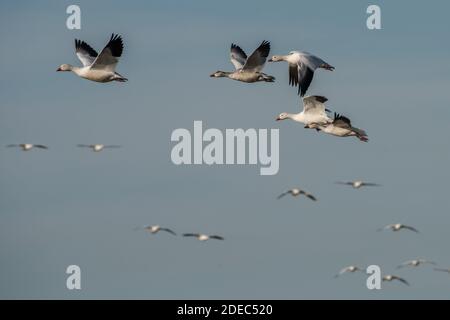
(277, 119)
(59, 69)
(270, 60)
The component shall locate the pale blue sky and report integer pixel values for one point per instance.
(70, 206)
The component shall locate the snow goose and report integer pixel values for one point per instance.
(341, 127)
(97, 67)
(313, 114)
(247, 69)
(295, 192)
(156, 228)
(97, 147)
(27, 146)
(397, 227)
(358, 184)
(350, 269)
(415, 263)
(391, 277)
(301, 68)
(202, 237)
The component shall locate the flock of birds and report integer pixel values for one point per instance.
(301, 66)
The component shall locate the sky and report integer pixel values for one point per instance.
(70, 206)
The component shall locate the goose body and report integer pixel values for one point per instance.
(27, 146)
(391, 277)
(349, 269)
(415, 263)
(203, 237)
(314, 113)
(341, 127)
(296, 192)
(301, 68)
(358, 184)
(97, 67)
(97, 147)
(398, 227)
(249, 69)
(156, 228)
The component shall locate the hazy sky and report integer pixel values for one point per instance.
(71, 206)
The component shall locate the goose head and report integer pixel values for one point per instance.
(65, 67)
(276, 59)
(219, 74)
(282, 116)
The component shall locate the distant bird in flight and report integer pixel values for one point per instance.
(301, 68)
(247, 69)
(397, 227)
(97, 67)
(358, 184)
(202, 237)
(27, 146)
(295, 192)
(97, 147)
(313, 113)
(390, 278)
(415, 263)
(350, 269)
(341, 127)
(442, 270)
(155, 229)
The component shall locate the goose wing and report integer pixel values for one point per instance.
(168, 230)
(237, 56)
(314, 105)
(85, 53)
(258, 58)
(410, 228)
(400, 279)
(341, 121)
(216, 237)
(109, 57)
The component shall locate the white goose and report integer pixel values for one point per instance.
(97, 147)
(341, 127)
(97, 67)
(295, 192)
(301, 68)
(27, 146)
(391, 277)
(358, 184)
(313, 114)
(247, 69)
(350, 269)
(398, 227)
(156, 228)
(415, 263)
(202, 237)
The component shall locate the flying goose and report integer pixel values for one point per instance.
(27, 146)
(247, 69)
(313, 114)
(295, 192)
(397, 227)
(97, 147)
(391, 277)
(415, 263)
(202, 237)
(341, 127)
(97, 67)
(358, 184)
(155, 229)
(301, 68)
(348, 269)
(442, 270)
